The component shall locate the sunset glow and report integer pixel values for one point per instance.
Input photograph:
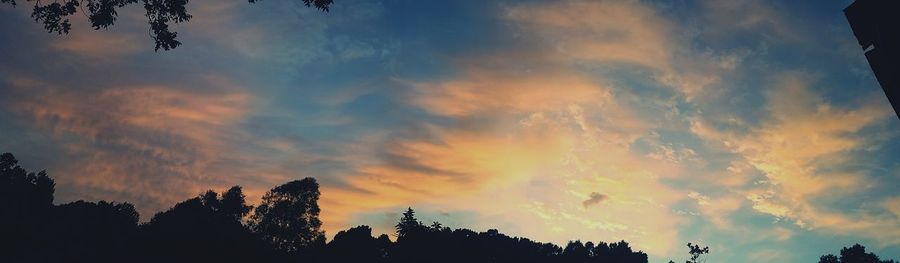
(754, 127)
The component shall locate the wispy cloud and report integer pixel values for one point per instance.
(654, 122)
(595, 198)
(148, 142)
(802, 150)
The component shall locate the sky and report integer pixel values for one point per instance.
(753, 127)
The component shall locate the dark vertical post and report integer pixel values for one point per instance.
(876, 24)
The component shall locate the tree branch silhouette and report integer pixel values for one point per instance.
(103, 13)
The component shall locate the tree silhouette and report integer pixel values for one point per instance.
(357, 245)
(575, 251)
(284, 228)
(408, 224)
(23, 192)
(92, 232)
(854, 254)
(617, 252)
(200, 230)
(288, 216)
(412, 239)
(829, 259)
(233, 203)
(696, 252)
(440, 244)
(103, 13)
(26, 200)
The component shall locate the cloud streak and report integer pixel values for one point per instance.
(653, 122)
(148, 142)
(595, 199)
(801, 150)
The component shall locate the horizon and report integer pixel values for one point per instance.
(756, 128)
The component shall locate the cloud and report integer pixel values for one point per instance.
(459, 163)
(604, 31)
(102, 44)
(802, 151)
(595, 199)
(521, 162)
(718, 209)
(152, 145)
(305, 42)
(531, 131)
(763, 18)
(485, 91)
(127, 37)
(531, 171)
(619, 33)
(621, 104)
(892, 205)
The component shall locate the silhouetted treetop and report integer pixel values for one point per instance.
(408, 224)
(357, 245)
(26, 202)
(103, 13)
(201, 229)
(696, 252)
(854, 254)
(288, 216)
(285, 227)
(23, 189)
(92, 232)
(233, 203)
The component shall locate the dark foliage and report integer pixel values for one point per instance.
(103, 13)
(233, 204)
(95, 232)
(318, 4)
(288, 217)
(854, 254)
(284, 228)
(200, 230)
(26, 201)
(439, 244)
(408, 225)
(696, 252)
(26, 193)
(358, 245)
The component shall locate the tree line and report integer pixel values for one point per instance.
(284, 227)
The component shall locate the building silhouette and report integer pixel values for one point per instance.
(876, 24)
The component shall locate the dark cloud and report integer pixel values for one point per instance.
(405, 162)
(596, 198)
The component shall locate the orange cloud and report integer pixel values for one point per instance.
(486, 91)
(799, 150)
(533, 136)
(460, 164)
(537, 159)
(156, 144)
(539, 174)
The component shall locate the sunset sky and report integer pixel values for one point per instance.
(754, 127)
